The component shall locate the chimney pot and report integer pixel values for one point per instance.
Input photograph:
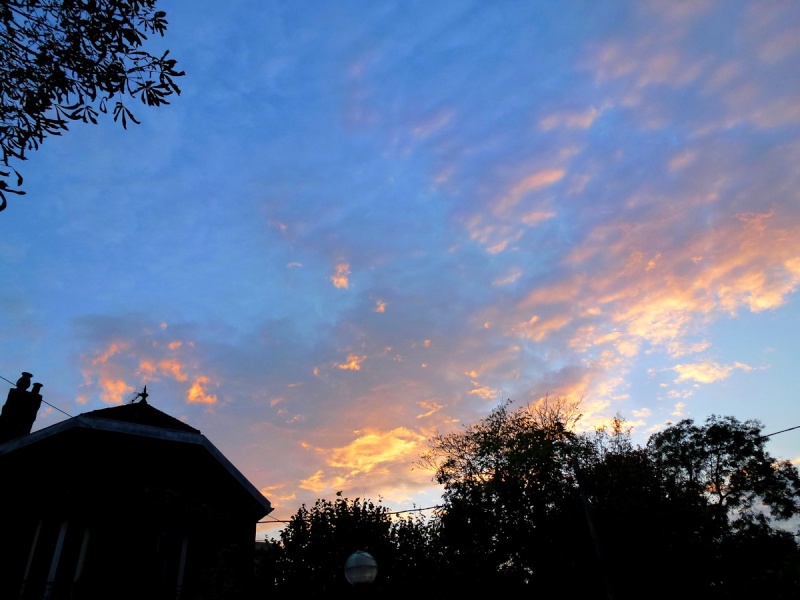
(24, 382)
(19, 411)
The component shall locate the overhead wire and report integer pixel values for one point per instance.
(394, 512)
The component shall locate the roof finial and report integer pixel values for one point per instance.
(143, 395)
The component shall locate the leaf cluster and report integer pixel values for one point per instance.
(63, 61)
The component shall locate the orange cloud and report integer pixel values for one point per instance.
(340, 276)
(482, 391)
(168, 366)
(538, 329)
(353, 363)
(706, 372)
(318, 484)
(374, 447)
(197, 393)
(113, 348)
(112, 390)
(430, 408)
(173, 368)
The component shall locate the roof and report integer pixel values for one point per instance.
(140, 413)
(146, 430)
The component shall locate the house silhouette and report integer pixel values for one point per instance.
(124, 502)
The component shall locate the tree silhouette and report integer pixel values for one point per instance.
(309, 558)
(531, 506)
(512, 514)
(71, 60)
(695, 512)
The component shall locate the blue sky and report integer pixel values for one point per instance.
(364, 222)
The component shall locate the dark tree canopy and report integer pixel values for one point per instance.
(726, 463)
(700, 511)
(531, 507)
(71, 60)
(512, 512)
(308, 560)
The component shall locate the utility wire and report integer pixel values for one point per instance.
(396, 512)
(781, 431)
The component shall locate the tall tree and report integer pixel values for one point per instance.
(512, 513)
(695, 512)
(71, 60)
(722, 467)
(658, 537)
(725, 462)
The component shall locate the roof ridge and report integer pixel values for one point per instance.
(142, 413)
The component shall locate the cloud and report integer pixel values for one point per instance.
(372, 452)
(169, 367)
(197, 392)
(373, 448)
(137, 355)
(573, 120)
(707, 372)
(340, 277)
(353, 363)
(531, 182)
(112, 391)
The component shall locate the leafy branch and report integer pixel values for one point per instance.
(63, 61)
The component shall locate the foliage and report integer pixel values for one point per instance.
(731, 497)
(511, 505)
(527, 499)
(726, 463)
(312, 550)
(531, 505)
(71, 60)
(657, 536)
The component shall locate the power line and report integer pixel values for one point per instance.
(781, 431)
(395, 512)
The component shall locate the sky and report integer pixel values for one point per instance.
(363, 223)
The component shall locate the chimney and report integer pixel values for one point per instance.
(19, 411)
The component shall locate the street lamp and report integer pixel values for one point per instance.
(360, 567)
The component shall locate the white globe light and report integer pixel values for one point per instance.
(360, 567)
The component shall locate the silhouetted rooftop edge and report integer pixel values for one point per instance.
(140, 419)
(140, 413)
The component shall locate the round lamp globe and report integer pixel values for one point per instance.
(360, 567)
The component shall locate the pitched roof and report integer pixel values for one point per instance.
(149, 425)
(140, 413)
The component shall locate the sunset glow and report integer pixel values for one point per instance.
(364, 223)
